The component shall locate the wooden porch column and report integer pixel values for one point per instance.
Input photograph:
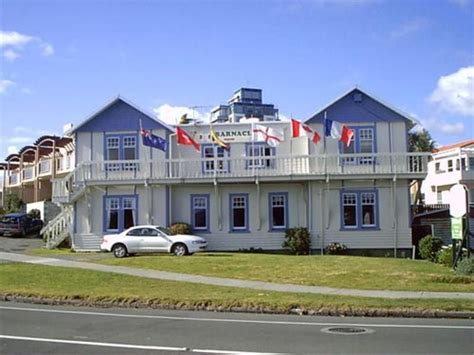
(53, 167)
(21, 176)
(36, 177)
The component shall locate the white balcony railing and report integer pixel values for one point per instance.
(303, 167)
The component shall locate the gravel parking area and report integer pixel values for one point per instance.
(19, 244)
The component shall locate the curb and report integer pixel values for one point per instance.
(324, 311)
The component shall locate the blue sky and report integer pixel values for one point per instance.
(62, 60)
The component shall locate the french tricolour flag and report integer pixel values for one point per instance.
(338, 131)
(299, 129)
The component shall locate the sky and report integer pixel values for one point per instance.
(60, 61)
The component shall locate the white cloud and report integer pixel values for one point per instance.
(12, 149)
(5, 85)
(452, 129)
(455, 92)
(171, 114)
(409, 27)
(47, 49)
(14, 39)
(442, 126)
(20, 140)
(10, 55)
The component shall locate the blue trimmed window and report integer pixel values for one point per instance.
(263, 156)
(200, 212)
(214, 158)
(278, 210)
(120, 213)
(121, 147)
(239, 212)
(359, 210)
(363, 141)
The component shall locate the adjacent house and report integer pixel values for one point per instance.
(451, 164)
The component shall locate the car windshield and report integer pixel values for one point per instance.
(164, 230)
(9, 220)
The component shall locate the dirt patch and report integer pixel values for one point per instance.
(157, 304)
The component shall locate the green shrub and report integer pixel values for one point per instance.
(35, 214)
(13, 203)
(465, 266)
(335, 249)
(180, 228)
(445, 256)
(297, 241)
(429, 247)
(2, 211)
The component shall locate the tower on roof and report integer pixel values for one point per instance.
(246, 103)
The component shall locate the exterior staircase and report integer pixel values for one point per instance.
(58, 229)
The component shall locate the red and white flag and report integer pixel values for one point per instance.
(182, 137)
(299, 129)
(271, 136)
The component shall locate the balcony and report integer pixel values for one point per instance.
(264, 168)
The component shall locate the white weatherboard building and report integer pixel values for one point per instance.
(249, 195)
(451, 164)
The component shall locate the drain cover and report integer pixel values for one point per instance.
(347, 330)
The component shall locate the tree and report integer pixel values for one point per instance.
(13, 203)
(420, 141)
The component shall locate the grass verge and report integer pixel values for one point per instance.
(91, 287)
(366, 273)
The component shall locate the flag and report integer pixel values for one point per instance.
(271, 136)
(338, 131)
(184, 138)
(217, 140)
(299, 129)
(153, 141)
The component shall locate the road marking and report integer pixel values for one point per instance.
(129, 346)
(228, 320)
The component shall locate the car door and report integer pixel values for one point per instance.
(153, 241)
(133, 240)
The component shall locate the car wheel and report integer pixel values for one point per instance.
(180, 249)
(120, 251)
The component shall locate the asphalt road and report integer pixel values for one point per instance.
(28, 329)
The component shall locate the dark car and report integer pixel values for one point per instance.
(19, 224)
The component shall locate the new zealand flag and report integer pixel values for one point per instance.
(153, 141)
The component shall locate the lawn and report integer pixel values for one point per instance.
(92, 286)
(367, 273)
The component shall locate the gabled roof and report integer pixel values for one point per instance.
(462, 144)
(406, 116)
(110, 104)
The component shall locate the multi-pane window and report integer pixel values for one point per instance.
(368, 209)
(112, 210)
(238, 219)
(349, 202)
(450, 165)
(113, 148)
(458, 164)
(122, 147)
(439, 197)
(438, 168)
(120, 212)
(129, 208)
(200, 212)
(471, 163)
(362, 141)
(359, 209)
(262, 156)
(214, 159)
(366, 142)
(278, 211)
